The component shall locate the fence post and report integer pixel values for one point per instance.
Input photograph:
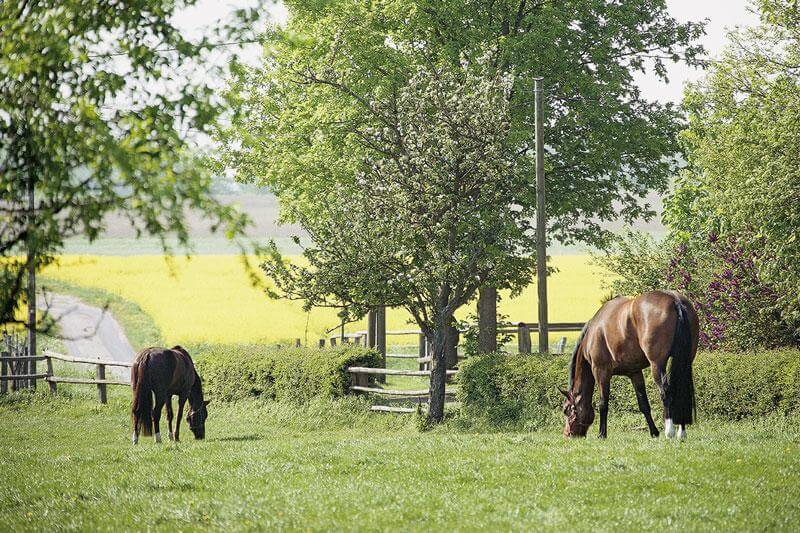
(423, 350)
(371, 324)
(101, 387)
(3, 372)
(523, 338)
(50, 375)
(561, 344)
(380, 337)
(487, 320)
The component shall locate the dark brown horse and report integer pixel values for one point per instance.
(160, 373)
(624, 337)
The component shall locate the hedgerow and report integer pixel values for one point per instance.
(522, 390)
(238, 371)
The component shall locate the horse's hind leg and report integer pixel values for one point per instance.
(660, 377)
(157, 417)
(170, 417)
(644, 405)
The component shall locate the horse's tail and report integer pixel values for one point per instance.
(142, 408)
(680, 388)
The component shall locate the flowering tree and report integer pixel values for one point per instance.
(433, 210)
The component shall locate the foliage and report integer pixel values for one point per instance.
(521, 390)
(238, 371)
(303, 114)
(98, 102)
(207, 298)
(743, 183)
(401, 143)
(719, 274)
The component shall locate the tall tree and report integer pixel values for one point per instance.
(429, 215)
(98, 102)
(743, 142)
(332, 78)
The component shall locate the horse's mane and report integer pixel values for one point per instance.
(574, 361)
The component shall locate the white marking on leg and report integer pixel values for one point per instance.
(135, 438)
(682, 431)
(158, 437)
(669, 429)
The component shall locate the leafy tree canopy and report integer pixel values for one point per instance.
(606, 145)
(399, 135)
(743, 141)
(98, 101)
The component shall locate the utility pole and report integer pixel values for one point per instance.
(541, 222)
(31, 292)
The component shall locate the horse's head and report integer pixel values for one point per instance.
(579, 414)
(196, 418)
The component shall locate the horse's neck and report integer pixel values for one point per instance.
(196, 394)
(582, 384)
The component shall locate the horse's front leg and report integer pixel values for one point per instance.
(644, 405)
(603, 379)
(181, 402)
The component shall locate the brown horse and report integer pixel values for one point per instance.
(624, 337)
(162, 373)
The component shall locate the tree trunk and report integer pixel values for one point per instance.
(487, 320)
(451, 346)
(438, 374)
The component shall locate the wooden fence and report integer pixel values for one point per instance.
(360, 376)
(8, 374)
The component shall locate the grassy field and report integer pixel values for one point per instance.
(209, 298)
(68, 464)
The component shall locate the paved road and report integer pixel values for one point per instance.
(90, 332)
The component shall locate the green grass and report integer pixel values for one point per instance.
(140, 328)
(68, 464)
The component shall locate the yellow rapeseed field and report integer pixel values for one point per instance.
(209, 298)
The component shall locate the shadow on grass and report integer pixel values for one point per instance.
(239, 438)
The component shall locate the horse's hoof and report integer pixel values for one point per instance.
(171, 436)
(158, 438)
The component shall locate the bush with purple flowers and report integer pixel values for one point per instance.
(721, 275)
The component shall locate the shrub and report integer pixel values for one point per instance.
(522, 390)
(737, 307)
(238, 371)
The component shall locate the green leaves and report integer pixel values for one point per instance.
(96, 99)
(743, 143)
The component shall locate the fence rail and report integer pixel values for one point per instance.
(8, 373)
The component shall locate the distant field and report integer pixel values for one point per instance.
(209, 298)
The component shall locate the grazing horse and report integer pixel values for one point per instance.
(162, 373)
(625, 336)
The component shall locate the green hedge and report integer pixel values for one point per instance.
(238, 371)
(522, 389)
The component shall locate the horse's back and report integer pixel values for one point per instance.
(169, 370)
(628, 332)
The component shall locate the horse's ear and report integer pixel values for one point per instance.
(206, 402)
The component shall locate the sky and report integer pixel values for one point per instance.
(721, 15)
